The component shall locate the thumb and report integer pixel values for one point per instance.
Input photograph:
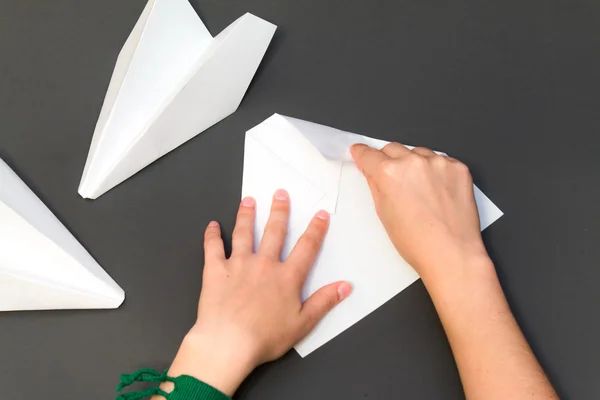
(321, 302)
(367, 159)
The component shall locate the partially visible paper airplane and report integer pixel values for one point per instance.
(172, 80)
(42, 266)
(313, 163)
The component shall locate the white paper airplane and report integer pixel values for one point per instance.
(172, 80)
(42, 266)
(313, 163)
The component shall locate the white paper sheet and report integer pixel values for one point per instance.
(42, 266)
(313, 163)
(172, 81)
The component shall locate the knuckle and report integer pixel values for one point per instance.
(328, 301)
(387, 167)
(278, 228)
(209, 233)
(278, 211)
(309, 241)
(311, 320)
(210, 239)
(263, 260)
(245, 213)
(440, 161)
(392, 146)
(417, 161)
(237, 261)
(241, 233)
(280, 206)
(462, 168)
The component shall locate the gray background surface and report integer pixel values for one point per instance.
(510, 87)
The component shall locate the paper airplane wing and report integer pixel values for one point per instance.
(42, 266)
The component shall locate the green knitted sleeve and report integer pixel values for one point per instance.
(186, 387)
(189, 388)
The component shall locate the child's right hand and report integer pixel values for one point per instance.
(427, 205)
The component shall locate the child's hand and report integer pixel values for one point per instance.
(250, 309)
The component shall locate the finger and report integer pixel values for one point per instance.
(273, 239)
(242, 238)
(214, 251)
(321, 302)
(367, 159)
(423, 151)
(395, 150)
(306, 249)
(373, 188)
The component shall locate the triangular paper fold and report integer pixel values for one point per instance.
(295, 141)
(42, 266)
(313, 163)
(294, 147)
(172, 81)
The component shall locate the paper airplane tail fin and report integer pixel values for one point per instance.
(42, 265)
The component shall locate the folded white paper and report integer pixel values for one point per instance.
(172, 80)
(42, 266)
(313, 163)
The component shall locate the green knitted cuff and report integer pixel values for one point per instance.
(189, 388)
(186, 387)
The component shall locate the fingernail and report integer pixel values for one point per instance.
(213, 224)
(322, 214)
(248, 202)
(281, 194)
(344, 290)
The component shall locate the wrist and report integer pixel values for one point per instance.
(466, 296)
(213, 360)
(458, 271)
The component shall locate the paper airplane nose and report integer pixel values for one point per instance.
(42, 266)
